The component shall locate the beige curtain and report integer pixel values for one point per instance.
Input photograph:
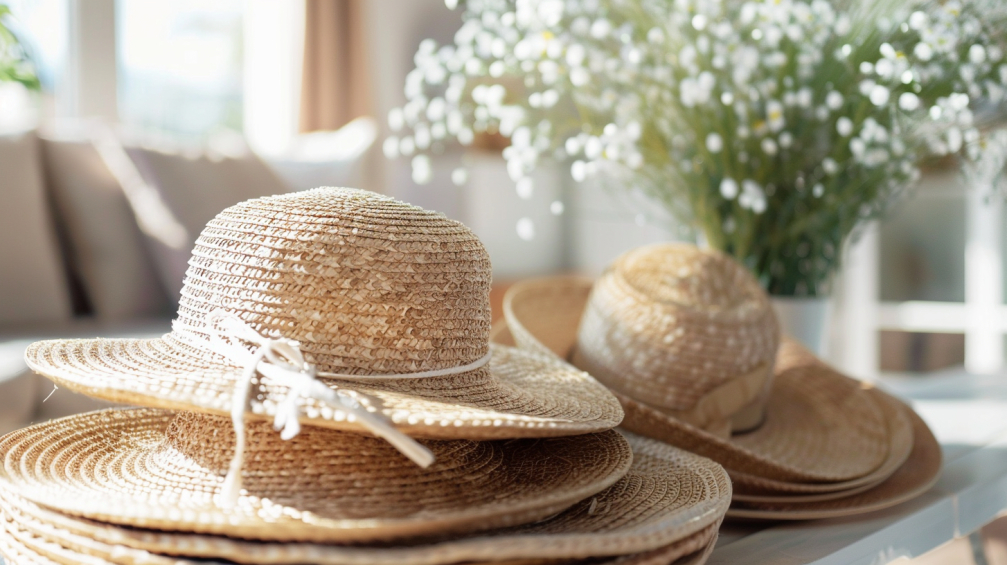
(335, 87)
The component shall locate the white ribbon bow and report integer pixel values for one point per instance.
(282, 362)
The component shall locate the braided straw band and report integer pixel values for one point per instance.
(281, 361)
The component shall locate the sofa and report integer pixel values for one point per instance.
(97, 225)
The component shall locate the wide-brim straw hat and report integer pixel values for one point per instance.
(158, 469)
(818, 427)
(669, 504)
(375, 294)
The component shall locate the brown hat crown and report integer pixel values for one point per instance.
(669, 324)
(367, 284)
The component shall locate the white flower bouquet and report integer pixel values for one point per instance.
(774, 128)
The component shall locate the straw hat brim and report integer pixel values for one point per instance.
(820, 426)
(520, 394)
(920, 471)
(667, 496)
(751, 488)
(154, 469)
(24, 547)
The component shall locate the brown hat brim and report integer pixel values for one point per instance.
(157, 469)
(519, 394)
(668, 495)
(914, 477)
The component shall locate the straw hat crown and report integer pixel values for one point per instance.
(669, 323)
(365, 283)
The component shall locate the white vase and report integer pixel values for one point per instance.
(805, 319)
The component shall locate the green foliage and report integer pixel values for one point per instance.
(15, 65)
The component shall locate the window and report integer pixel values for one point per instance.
(180, 65)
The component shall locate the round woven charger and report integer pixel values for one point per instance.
(22, 547)
(920, 471)
(820, 426)
(668, 495)
(366, 285)
(158, 469)
(750, 488)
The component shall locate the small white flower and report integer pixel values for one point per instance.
(714, 143)
(774, 115)
(752, 197)
(923, 51)
(769, 146)
(805, 97)
(699, 22)
(600, 28)
(422, 171)
(525, 188)
(407, 146)
(525, 229)
(728, 188)
(917, 20)
(818, 190)
(830, 166)
(395, 119)
(955, 140)
(909, 101)
(977, 54)
(578, 170)
(858, 147)
(879, 95)
(834, 100)
(786, 139)
(844, 126)
(390, 147)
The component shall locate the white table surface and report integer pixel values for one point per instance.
(968, 414)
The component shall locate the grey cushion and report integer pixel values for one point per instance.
(33, 286)
(106, 248)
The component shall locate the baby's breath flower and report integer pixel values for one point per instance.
(692, 101)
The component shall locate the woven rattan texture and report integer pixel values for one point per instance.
(667, 495)
(810, 410)
(671, 322)
(920, 471)
(150, 468)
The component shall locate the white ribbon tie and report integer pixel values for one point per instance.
(282, 362)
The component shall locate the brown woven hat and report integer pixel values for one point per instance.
(670, 318)
(384, 301)
(668, 496)
(159, 469)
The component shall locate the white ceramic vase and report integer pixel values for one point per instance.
(805, 319)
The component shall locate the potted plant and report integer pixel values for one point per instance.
(774, 129)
